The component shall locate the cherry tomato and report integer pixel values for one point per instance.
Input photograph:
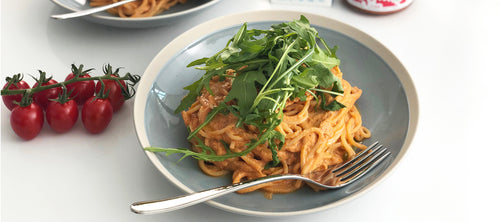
(81, 90)
(62, 117)
(96, 114)
(9, 99)
(43, 97)
(27, 121)
(114, 91)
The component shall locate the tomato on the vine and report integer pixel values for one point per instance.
(8, 100)
(43, 97)
(96, 114)
(114, 91)
(82, 90)
(27, 121)
(62, 116)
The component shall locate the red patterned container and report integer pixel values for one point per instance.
(380, 6)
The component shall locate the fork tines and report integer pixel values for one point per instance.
(362, 163)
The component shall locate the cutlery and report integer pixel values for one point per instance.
(90, 10)
(337, 178)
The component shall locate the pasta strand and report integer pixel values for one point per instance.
(315, 139)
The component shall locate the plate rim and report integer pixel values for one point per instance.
(201, 30)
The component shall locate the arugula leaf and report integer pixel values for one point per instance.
(199, 156)
(209, 118)
(244, 47)
(271, 139)
(304, 30)
(190, 98)
(321, 56)
(274, 65)
(244, 91)
(197, 62)
(306, 81)
(324, 75)
(333, 106)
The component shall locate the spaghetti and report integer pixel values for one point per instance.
(271, 102)
(315, 139)
(137, 9)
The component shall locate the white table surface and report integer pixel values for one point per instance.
(449, 47)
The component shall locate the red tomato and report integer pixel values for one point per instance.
(27, 121)
(42, 97)
(62, 117)
(9, 99)
(96, 114)
(114, 91)
(81, 90)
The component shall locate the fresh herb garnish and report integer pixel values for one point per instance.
(284, 62)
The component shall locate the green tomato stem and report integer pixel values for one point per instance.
(40, 88)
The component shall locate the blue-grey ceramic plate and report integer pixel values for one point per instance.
(388, 105)
(105, 18)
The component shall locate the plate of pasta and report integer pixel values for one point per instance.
(272, 92)
(138, 14)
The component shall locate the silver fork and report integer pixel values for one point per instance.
(90, 10)
(342, 176)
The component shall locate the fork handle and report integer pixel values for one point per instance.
(91, 10)
(170, 204)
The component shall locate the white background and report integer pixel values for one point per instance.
(450, 48)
